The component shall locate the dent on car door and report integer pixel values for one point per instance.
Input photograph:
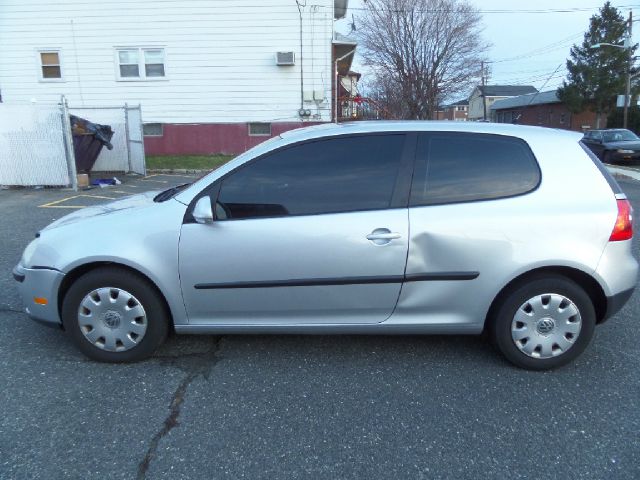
(461, 219)
(314, 233)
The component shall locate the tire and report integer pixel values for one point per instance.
(115, 315)
(536, 336)
(606, 158)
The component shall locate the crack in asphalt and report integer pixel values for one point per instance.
(9, 308)
(195, 365)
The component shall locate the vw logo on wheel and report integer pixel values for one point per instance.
(545, 326)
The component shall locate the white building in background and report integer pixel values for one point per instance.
(483, 97)
(211, 76)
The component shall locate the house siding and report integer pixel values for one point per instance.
(219, 57)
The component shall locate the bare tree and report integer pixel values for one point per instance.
(421, 51)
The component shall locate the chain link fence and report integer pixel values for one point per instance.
(36, 145)
(33, 147)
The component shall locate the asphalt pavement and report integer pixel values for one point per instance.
(292, 407)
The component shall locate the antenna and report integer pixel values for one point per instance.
(353, 24)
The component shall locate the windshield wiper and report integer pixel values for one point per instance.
(170, 192)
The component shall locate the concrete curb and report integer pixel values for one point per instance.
(176, 170)
(624, 172)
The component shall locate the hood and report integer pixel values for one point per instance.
(127, 203)
(625, 145)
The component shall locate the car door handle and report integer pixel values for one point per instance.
(383, 236)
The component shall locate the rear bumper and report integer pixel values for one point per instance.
(616, 302)
(40, 283)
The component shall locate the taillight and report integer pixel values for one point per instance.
(623, 229)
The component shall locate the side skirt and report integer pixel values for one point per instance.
(336, 329)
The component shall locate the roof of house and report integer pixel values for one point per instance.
(539, 98)
(506, 90)
(459, 102)
(340, 39)
(344, 50)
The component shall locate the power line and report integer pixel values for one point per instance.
(557, 45)
(491, 11)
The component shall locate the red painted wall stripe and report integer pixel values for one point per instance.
(210, 138)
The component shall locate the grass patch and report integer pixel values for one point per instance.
(194, 162)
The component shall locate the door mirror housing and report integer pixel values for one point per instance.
(202, 212)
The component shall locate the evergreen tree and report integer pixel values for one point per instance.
(597, 75)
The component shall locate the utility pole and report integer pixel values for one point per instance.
(484, 97)
(627, 94)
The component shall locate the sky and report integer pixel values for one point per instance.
(527, 47)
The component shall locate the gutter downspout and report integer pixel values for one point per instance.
(301, 62)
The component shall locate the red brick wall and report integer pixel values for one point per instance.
(452, 113)
(553, 115)
(206, 139)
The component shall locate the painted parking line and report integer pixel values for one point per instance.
(56, 203)
(155, 181)
(183, 175)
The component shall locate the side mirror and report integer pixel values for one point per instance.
(202, 212)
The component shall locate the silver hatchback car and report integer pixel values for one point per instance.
(363, 228)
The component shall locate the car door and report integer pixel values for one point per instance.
(470, 221)
(313, 233)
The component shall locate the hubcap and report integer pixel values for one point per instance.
(546, 326)
(112, 319)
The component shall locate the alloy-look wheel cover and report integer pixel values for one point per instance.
(546, 326)
(112, 319)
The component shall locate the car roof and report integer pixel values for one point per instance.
(330, 129)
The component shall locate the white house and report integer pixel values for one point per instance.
(483, 97)
(211, 76)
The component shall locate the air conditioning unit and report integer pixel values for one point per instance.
(285, 58)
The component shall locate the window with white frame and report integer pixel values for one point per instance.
(50, 66)
(140, 63)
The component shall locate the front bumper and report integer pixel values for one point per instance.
(624, 157)
(41, 284)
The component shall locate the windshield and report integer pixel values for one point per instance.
(619, 136)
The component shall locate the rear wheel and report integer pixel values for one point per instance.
(543, 324)
(115, 315)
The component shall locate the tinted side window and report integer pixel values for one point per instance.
(325, 176)
(454, 167)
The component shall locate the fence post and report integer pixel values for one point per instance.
(67, 137)
(144, 155)
(127, 136)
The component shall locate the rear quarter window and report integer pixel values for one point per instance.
(463, 167)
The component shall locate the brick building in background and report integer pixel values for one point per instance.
(542, 109)
(458, 111)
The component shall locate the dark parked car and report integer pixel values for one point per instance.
(613, 145)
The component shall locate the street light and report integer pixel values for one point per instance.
(625, 46)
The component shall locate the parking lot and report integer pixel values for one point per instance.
(302, 406)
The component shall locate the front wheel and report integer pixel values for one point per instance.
(115, 315)
(543, 324)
